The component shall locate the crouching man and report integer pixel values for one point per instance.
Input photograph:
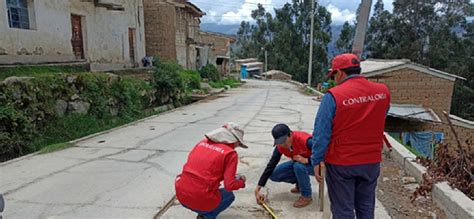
(294, 145)
(211, 161)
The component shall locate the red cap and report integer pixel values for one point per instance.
(343, 61)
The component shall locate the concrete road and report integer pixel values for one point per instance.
(129, 172)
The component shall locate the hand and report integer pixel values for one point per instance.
(259, 196)
(317, 172)
(242, 177)
(300, 159)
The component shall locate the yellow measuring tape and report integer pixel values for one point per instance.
(268, 209)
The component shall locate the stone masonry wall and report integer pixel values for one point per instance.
(409, 86)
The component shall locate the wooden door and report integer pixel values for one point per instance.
(77, 39)
(131, 44)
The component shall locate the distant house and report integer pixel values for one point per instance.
(172, 31)
(216, 50)
(107, 34)
(419, 95)
(249, 67)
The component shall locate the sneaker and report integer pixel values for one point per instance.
(302, 202)
(295, 190)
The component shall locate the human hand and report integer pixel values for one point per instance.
(317, 172)
(259, 196)
(300, 159)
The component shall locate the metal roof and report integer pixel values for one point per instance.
(413, 112)
(373, 67)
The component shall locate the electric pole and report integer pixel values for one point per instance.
(310, 62)
(362, 21)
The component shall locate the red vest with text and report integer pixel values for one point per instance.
(298, 144)
(359, 121)
(198, 185)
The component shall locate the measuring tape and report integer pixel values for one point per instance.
(268, 209)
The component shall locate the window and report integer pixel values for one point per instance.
(18, 16)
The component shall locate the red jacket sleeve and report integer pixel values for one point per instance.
(230, 183)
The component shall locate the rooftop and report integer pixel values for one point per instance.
(413, 112)
(373, 67)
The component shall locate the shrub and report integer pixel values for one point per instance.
(210, 72)
(167, 79)
(191, 79)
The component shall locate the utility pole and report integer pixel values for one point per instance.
(266, 61)
(310, 62)
(362, 21)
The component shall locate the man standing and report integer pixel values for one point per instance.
(348, 134)
(296, 146)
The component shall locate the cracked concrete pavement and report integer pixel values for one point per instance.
(129, 172)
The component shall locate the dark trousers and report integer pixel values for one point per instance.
(351, 190)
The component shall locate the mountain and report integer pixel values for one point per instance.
(229, 29)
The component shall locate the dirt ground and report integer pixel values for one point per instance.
(395, 195)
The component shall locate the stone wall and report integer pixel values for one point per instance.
(409, 86)
(160, 29)
(105, 34)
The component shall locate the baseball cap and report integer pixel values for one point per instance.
(343, 61)
(280, 132)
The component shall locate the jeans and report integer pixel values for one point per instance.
(226, 199)
(352, 188)
(294, 172)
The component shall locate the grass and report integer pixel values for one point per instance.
(56, 136)
(55, 147)
(222, 83)
(23, 71)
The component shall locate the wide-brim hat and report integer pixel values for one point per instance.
(230, 133)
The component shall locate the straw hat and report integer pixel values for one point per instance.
(229, 133)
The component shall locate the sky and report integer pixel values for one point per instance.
(233, 12)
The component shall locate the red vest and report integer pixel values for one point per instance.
(197, 186)
(359, 121)
(298, 144)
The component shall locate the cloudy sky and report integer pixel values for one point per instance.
(233, 12)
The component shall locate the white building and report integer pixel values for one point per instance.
(108, 34)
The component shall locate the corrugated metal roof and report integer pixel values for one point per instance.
(372, 65)
(413, 112)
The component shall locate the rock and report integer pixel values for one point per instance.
(61, 107)
(408, 180)
(164, 108)
(78, 107)
(15, 79)
(227, 87)
(71, 79)
(385, 179)
(112, 77)
(74, 97)
(411, 187)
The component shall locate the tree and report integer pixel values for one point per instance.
(286, 38)
(346, 39)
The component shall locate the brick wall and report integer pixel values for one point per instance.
(465, 134)
(160, 29)
(409, 86)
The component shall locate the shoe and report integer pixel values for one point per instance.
(302, 202)
(295, 190)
